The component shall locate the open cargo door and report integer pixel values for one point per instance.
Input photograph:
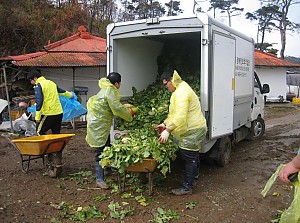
(222, 100)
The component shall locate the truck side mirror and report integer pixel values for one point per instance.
(265, 89)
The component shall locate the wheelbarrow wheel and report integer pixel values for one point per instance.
(54, 164)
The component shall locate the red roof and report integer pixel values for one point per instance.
(64, 59)
(24, 56)
(80, 42)
(270, 60)
(80, 49)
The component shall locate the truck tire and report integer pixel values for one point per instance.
(224, 151)
(257, 129)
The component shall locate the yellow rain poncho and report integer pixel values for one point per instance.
(101, 109)
(185, 118)
(292, 214)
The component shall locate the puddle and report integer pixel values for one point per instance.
(270, 126)
(294, 132)
(285, 142)
(288, 142)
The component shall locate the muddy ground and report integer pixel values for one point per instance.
(227, 194)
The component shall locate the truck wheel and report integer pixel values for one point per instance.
(257, 129)
(224, 150)
(54, 164)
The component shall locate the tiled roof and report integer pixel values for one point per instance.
(80, 42)
(270, 60)
(23, 57)
(64, 59)
(79, 50)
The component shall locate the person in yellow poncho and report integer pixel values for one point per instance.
(290, 173)
(186, 122)
(292, 167)
(101, 109)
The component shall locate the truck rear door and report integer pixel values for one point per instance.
(222, 88)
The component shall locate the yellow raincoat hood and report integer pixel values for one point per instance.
(101, 109)
(185, 118)
(176, 80)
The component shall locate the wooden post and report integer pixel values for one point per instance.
(73, 120)
(7, 96)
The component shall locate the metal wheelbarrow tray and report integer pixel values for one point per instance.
(47, 147)
(147, 166)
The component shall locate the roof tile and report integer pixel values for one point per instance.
(79, 50)
(78, 43)
(270, 60)
(64, 59)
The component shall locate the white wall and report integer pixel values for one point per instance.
(275, 77)
(83, 76)
(136, 61)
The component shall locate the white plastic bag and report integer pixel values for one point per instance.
(22, 124)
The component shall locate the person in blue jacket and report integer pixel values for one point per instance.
(49, 111)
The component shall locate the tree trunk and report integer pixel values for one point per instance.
(229, 18)
(283, 42)
(262, 42)
(283, 26)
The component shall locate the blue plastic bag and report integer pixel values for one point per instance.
(71, 107)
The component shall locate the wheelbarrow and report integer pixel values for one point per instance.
(46, 147)
(148, 166)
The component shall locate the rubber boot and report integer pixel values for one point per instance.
(100, 176)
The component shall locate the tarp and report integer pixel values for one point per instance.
(71, 107)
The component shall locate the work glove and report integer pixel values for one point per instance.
(128, 105)
(133, 110)
(161, 127)
(164, 136)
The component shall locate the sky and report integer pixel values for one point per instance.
(249, 28)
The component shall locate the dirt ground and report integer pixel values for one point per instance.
(229, 194)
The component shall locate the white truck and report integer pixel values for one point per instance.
(231, 94)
